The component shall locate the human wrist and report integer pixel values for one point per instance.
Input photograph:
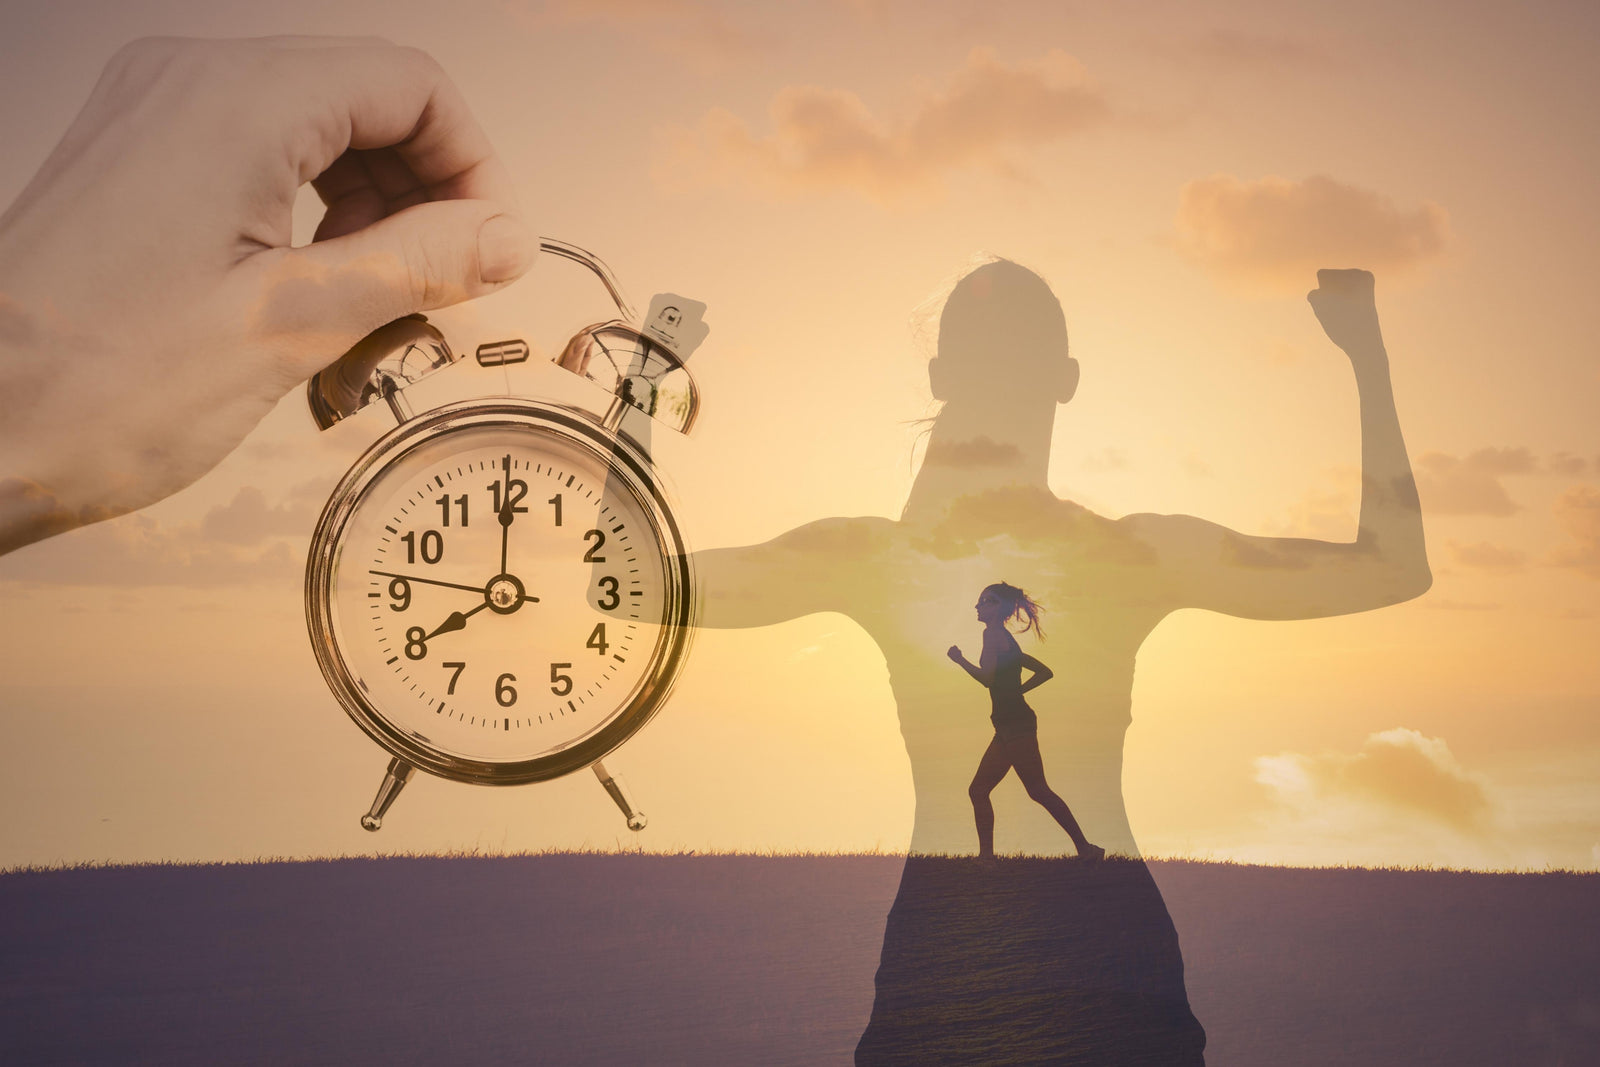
(35, 501)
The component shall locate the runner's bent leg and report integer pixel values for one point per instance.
(993, 767)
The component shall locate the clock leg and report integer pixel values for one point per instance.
(395, 780)
(619, 793)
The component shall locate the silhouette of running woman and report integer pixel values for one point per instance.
(1016, 727)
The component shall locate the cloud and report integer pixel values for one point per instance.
(824, 140)
(1399, 775)
(1568, 465)
(1578, 513)
(1274, 234)
(1483, 555)
(978, 452)
(1449, 485)
(248, 519)
(242, 542)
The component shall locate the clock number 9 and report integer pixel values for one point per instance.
(416, 639)
(504, 694)
(400, 590)
(560, 684)
(432, 546)
(612, 597)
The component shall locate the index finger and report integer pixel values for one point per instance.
(366, 94)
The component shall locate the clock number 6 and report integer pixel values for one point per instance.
(560, 684)
(504, 694)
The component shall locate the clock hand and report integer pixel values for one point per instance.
(505, 531)
(456, 621)
(430, 581)
(506, 515)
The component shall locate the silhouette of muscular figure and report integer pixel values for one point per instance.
(980, 508)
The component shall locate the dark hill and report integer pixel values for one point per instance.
(580, 959)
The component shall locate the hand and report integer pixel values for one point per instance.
(955, 654)
(1343, 301)
(152, 309)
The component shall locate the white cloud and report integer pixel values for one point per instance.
(825, 139)
(1274, 234)
(1398, 774)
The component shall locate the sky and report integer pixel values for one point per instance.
(820, 175)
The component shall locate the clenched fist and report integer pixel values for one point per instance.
(1343, 301)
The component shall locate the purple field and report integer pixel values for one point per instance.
(610, 959)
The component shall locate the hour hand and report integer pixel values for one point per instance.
(505, 530)
(456, 621)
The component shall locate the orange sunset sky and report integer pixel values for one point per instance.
(818, 174)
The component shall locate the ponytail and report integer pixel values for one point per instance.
(1018, 604)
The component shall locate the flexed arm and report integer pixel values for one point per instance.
(984, 676)
(983, 671)
(1210, 566)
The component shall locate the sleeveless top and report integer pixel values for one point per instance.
(1008, 711)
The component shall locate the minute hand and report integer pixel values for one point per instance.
(507, 513)
(430, 581)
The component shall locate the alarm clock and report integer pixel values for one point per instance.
(498, 591)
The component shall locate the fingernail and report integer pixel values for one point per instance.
(506, 248)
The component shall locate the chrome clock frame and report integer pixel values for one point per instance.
(628, 468)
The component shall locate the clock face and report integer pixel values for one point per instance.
(503, 594)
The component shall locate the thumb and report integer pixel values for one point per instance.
(428, 256)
